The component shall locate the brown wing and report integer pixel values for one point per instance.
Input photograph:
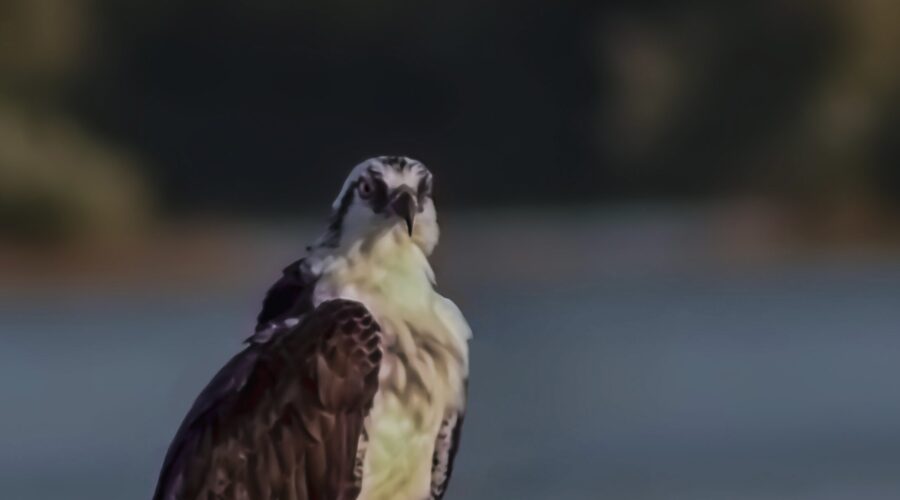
(283, 419)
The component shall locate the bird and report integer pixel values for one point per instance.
(353, 383)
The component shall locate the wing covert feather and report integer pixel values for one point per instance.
(283, 419)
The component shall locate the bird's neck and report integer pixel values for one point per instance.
(388, 264)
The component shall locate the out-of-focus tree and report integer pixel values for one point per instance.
(58, 182)
(846, 113)
(794, 101)
(234, 104)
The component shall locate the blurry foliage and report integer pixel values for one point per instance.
(59, 183)
(785, 98)
(43, 41)
(231, 105)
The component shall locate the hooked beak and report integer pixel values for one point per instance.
(403, 204)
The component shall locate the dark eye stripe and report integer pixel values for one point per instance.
(379, 198)
(423, 190)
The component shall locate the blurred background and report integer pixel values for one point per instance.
(672, 225)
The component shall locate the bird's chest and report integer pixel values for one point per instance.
(421, 380)
(423, 341)
(424, 336)
(401, 430)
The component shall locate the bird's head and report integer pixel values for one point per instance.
(386, 194)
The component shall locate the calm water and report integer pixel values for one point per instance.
(777, 384)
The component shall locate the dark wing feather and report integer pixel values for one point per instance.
(291, 295)
(283, 419)
(445, 448)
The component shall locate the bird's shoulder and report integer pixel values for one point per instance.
(289, 296)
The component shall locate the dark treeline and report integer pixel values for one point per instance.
(252, 106)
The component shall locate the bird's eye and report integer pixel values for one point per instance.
(366, 189)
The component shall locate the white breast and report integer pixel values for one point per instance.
(424, 368)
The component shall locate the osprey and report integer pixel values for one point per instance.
(353, 385)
